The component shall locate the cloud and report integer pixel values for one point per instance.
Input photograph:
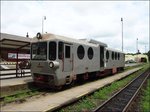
(80, 19)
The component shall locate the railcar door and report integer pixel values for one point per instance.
(68, 61)
(101, 56)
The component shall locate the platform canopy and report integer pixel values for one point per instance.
(14, 41)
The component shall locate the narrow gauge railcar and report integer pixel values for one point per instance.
(58, 60)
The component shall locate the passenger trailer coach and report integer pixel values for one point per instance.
(114, 61)
(58, 60)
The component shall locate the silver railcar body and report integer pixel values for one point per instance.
(58, 60)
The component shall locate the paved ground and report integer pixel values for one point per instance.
(58, 99)
(132, 64)
(15, 81)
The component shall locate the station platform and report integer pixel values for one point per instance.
(15, 81)
(8, 86)
(59, 99)
(132, 64)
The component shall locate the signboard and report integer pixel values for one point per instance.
(12, 55)
(20, 56)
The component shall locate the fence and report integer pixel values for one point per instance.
(13, 73)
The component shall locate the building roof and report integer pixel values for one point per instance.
(14, 41)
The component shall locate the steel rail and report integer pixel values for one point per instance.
(125, 95)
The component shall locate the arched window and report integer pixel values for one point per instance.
(107, 54)
(80, 52)
(90, 53)
(112, 55)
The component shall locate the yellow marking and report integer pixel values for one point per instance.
(50, 107)
(82, 95)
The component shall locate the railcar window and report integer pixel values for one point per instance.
(60, 50)
(52, 50)
(118, 56)
(112, 55)
(39, 51)
(107, 54)
(90, 53)
(80, 52)
(115, 56)
(67, 51)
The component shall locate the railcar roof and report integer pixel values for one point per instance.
(49, 36)
(110, 49)
(94, 42)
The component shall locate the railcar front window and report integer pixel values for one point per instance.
(39, 51)
(52, 50)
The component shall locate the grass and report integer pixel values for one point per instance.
(20, 95)
(145, 103)
(17, 91)
(88, 103)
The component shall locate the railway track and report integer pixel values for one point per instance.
(121, 101)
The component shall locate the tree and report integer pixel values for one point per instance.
(148, 54)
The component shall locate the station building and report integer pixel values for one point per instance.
(13, 47)
(137, 57)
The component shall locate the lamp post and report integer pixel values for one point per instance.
(137, 45)
(43, 18)
(122, 33)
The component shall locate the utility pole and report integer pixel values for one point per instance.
(145, 48)
(137, 49)
(122, 33)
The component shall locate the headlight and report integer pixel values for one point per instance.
(54, 64)
(51, 64)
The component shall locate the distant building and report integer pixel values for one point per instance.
(10, 45)
(137, 57)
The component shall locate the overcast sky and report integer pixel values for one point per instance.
(81, 19)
